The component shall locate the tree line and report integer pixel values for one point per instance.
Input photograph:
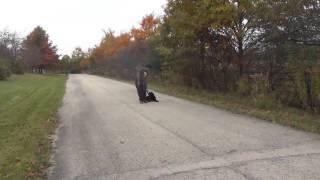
(257, 48)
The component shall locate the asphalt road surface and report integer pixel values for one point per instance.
(106, 134)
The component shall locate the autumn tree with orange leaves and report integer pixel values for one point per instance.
(148, 27)
(119, 54)
(39, 54)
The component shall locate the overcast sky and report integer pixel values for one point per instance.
(72, 23)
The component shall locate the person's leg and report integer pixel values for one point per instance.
(141, 97)
(139, 92)
(144, 93)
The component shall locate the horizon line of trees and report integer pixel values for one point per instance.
(257, 48)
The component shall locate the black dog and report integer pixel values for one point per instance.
(151, 97)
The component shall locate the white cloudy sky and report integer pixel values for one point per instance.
(72, 23)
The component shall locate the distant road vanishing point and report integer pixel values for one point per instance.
(106, 134)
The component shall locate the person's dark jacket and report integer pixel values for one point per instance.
(141, 80)
(141, 83)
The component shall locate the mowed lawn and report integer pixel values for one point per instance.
(28, 104)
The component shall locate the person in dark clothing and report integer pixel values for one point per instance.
(141, 82)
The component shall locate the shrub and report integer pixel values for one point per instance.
(75, 71)
(316, 90)
(4, 71)
(17, 67)
(265, 103)
(244, 86)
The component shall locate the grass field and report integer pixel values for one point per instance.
(28, 104)
(263, 109)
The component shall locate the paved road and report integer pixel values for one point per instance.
(106, 134)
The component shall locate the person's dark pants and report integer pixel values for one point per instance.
(142, 91)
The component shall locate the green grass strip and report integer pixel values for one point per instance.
(28, 104)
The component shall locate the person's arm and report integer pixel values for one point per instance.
(146, 75)
(138, 78)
